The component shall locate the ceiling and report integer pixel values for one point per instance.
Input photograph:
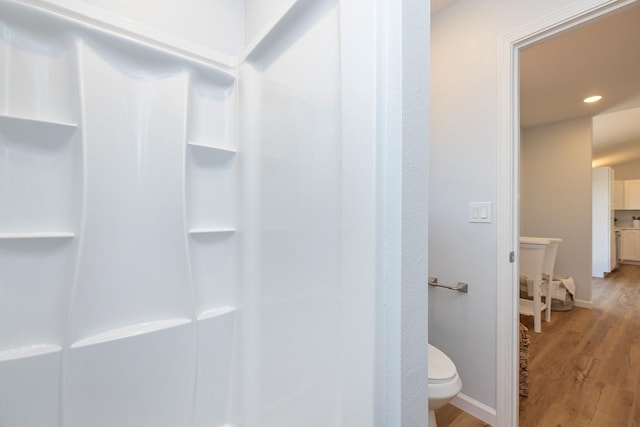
(601, 57)
(439, 5)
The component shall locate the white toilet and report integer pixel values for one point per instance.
(444, 382)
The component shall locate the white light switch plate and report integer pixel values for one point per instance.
(480, 212)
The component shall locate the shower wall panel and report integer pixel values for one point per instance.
(292, 112)
(170, 229)
(118, 252)
(203, 27)
(40, 175)
(134, 128)
(133, 300)
(219, 29)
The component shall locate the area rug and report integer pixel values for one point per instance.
(524, 361)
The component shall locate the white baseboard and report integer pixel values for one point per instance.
(475, 408)
(582, 303)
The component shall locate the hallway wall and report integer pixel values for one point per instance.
(629, 170)
(465, 89)
(555, 195)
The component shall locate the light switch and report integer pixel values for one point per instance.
(480, 212)
(484, 212)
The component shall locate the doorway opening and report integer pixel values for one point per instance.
(509, 188)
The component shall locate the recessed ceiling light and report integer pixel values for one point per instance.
(592, 99)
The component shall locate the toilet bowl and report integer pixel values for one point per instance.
(444, 382)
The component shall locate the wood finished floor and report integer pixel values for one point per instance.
(584, 368)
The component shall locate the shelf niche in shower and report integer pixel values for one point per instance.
(37, 273)
(39, 68)
(39, 161)
(213, 266)
(40, 158)
(212, 112)
(41, 170)
(211, 192)
(211, 188)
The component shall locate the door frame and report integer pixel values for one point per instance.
(507, 359)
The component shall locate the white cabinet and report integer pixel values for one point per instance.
(626, 194)
(632, 194)
(603, 259)
(618, 195)
(630, 245)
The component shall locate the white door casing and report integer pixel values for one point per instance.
(508, 188)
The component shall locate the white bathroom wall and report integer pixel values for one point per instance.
(465, 86)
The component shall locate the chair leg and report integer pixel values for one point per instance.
(537, 304)
(547, 300)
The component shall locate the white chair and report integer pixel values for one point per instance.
(547, 269)
(532, 264)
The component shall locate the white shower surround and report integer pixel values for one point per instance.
(162, 210)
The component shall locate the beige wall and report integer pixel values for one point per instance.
(629, 170)
(555, 194)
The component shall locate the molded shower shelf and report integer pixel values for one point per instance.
(36, 235)
(130, 331)
(211, 185)
(28, 351)
(215, 312)
(209, 150)
(212, 231)
(33, 128)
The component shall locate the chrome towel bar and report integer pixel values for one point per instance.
(462, 287)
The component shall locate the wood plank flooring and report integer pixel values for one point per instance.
(584, 368)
